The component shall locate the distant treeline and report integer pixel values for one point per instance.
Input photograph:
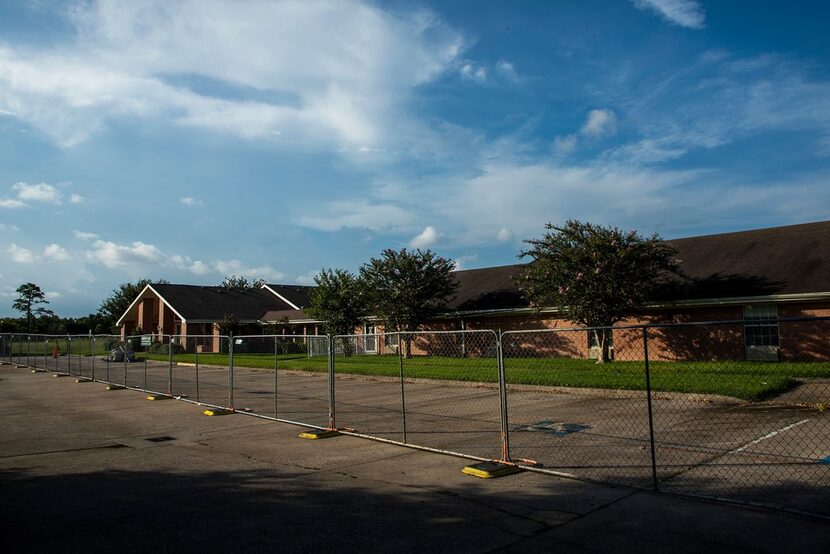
(54, 325)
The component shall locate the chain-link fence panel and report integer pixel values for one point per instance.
(368, 385)
(108, 349)
(196, 368)
(741, 411)
(577, 403)
(275, 376)
(434, 389)
(451, 381)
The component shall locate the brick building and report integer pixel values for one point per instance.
(754, 279)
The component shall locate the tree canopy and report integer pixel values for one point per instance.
(29, 296)
(338, 301)
(594, 275)
(241, 282)
(405, 288)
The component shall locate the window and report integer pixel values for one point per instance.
(761, 325)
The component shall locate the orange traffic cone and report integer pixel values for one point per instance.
(55, 352)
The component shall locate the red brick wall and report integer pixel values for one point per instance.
(801, 341)
(804, 340)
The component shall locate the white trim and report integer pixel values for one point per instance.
(281, 297)
(148, 286)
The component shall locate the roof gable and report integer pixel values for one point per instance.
(296, 296)
(196, 302)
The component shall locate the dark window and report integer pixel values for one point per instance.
(761, 325)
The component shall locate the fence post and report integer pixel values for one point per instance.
(276, 343)
(28, 347)
(331, 383)
(403, 397)
(92, 354)
(126, 342)
(196, 354)
(230, 371)
(505, 432)
(650, 412)
(169, 366)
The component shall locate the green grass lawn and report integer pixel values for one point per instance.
(745, 380)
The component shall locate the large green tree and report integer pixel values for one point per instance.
(29, 296)
(407, 288)
(594, 275)
(117, 303)
(338, 301)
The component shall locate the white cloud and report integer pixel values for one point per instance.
(235, 267)
(117, 256)
(40, 192)
(307, 278)
(564, 144)
(75, 199)
(56, 252)
(470, 70)
(11, 203)
(599, 123)
(190, 201)
(52, 294)
(719, 100)
(686, 13)
(83, 235)
(428, 237)
(21, 255)
(504, 235)
(199, 267)
(8, 227)
(506, 70)
(334, 72)
(358, 214)
(461, 262)
(139, 257)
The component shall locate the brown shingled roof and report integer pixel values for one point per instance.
(779, 260)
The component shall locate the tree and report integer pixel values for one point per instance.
(29, 296)
(241, 282)
(339, 302)
(594, 275)
(405, 289)
(117, 303)
(229, 325)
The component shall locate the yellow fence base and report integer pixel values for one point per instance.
(319, 434)
(159, 397)
(489, 470)
(218, 411)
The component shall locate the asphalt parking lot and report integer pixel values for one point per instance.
(769, 452)
(88, 469)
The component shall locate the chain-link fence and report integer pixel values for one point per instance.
(283, 377)
(735, 410)
(744, 414)
(437, 390)
(578, 407)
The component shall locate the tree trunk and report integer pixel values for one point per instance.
(601, 336)
(408, 346)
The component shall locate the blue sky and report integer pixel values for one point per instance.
(193, 139)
